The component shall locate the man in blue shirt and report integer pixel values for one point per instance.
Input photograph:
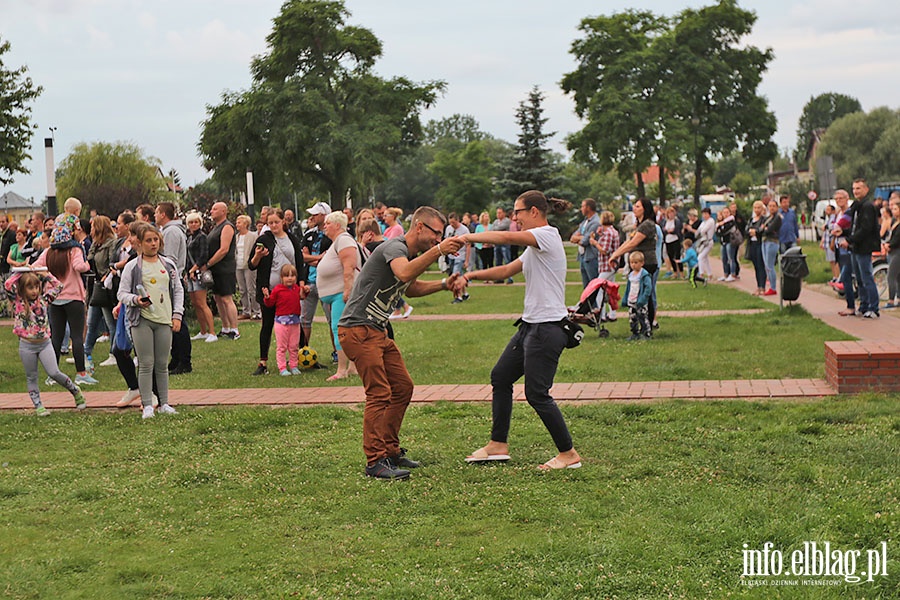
(790, 230)
(587, 254)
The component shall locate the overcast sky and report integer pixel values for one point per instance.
(142, 71)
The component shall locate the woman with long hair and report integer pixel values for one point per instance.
(643, 239)
(154, 305)
(274, 249)
(535, 348)
(67, 265)
(754, 247)
(197, 254)
(485, 251)
(673, 230)
(769, 231)
(102, 300)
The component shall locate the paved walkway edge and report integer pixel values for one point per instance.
(615, 391)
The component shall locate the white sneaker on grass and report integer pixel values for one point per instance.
(129, 397)
(147, 413)
(102, 339)
(70, 360)
(109, 362)
(165, 409)
(199, 336)
(154, 401)
(211, 337)
(50, 381)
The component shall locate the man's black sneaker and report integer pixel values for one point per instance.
(234, 335)
(334, 358)
(401, 462)
(180, 370)
(222, 334)
(383, 469)
(261, 370)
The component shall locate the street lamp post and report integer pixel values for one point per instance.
(695, 122)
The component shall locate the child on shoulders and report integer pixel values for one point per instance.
(637, 296)
(286, 297)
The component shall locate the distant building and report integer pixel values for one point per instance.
(17, 208)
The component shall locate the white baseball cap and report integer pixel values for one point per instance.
(319, 208)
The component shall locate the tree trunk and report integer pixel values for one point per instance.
(641, 193)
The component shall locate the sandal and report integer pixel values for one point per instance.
(481, 455)
(847, 313)
(557, 463)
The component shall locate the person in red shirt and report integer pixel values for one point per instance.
(286, 297)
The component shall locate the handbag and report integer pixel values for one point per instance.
(122, 341)
(206, 279)
(101, 297)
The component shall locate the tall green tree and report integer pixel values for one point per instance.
(717, 78)
(465, 177)
(820, 112)
(315, 109)
(457, 127)
(532, 165)
(17, 91)
(409, 182)
(110, 177)
(864, 145)
(616, 88)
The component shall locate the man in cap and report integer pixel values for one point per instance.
(315, 245)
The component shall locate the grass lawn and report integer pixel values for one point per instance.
(272, 503)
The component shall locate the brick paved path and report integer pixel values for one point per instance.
(822, 306)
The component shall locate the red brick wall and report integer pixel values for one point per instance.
(853, 367)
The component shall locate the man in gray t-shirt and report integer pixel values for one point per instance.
(390, 271)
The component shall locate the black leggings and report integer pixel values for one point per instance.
(673, 251)
(265, 330)
(487, 257)
(71, 313)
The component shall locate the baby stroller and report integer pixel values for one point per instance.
(598, 298)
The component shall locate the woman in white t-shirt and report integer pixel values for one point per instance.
(535, 348)
(335, 274)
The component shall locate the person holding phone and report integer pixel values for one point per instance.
(274, 249)
(154, 304)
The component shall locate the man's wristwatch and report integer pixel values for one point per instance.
(444, 283)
